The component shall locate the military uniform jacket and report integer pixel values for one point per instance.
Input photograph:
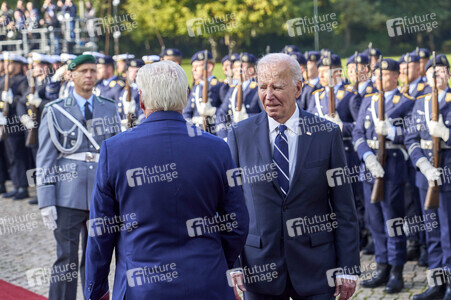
(62, 181)
(214, 87)
(112, 90)
(305, 98)
(418, 130)
(398, 111)
(19, 86)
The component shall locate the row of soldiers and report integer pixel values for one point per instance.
(216, 105)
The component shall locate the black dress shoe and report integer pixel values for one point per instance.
(10, 194)
(369, 249)
(413, 250)
(432, 293)
(380, 278)
(2, 188)
(395, 283)
(33, 201)
(21, 194)
(423, 260)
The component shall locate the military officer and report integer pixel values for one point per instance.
(358, 68)
(196, 110)
(71, 131)
(173, 54)
(227, 113)
(108, 84)
(390, 249)
(374, 55)
(130, 107)
(16, 152)
(419, 144)
(122, 60)
(424, 55)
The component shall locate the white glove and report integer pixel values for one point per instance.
(382, 127)
(438, 129)
(34, 100)
(198, 121)
(7, 96)
(239, 115)
(49, 216)
(205, 109)
(59, 74)
(335, 119)
(129, 107)
(432, 174)
(27, 121)
(374, 166)
(3, 120)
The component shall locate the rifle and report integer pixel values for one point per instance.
(239, 94)
(129, 95)
(3, 132)
(377, 194)
(432, 195)
(268, 49)
(357, 63)
(306, 67)
(33, 132)
(407, 59)
(205, 87)
(331, 88)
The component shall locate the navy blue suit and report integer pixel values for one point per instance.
(163, 209)
(388, 249)
(303, 259)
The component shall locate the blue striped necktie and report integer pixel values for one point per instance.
(280, 158)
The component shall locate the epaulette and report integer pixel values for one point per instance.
(369, 89)
(54, 102)
(213, 81)
(349, 87)
(420, 87)
(253, 85)
(107, 99)
(369, 95)
(448, 97)
(318, 90)
(311, 85)
(422, 96)
(121, 83)
(408, 97)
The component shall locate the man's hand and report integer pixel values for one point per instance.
(129, 107)
(205, 109)
(59, 74)
(432, 174)
(34, 100)
(27, 121)
(239, 115)
(374, 166)
(7, 96)
(438, 129)
(237, 280)
(49, 216)
(345, 288)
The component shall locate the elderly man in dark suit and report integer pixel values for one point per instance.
(303, 229)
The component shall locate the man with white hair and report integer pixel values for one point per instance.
(162, 200)
(303, 223)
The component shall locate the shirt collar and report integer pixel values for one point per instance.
(81, 101)
(291, 123)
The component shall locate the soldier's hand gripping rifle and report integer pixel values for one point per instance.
(357, 63)
(5, 110)
(239, 94)
(432, 195)
(205, 87)
(33, 132)
(377, 194)
(331, 87)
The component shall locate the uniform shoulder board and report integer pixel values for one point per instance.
(107, 99)
(369, 90)
(253, 85)
(369, 95)
(349, 87)
(112, 83)
(396, 99)
(121, 83)
(408, 97)
(318, 90)
(448, 97)
(311, 85)
(214, 81)
(422, 96)
(420, 87)
(54, 102)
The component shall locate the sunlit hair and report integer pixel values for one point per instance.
(163, 86)
(268, 63)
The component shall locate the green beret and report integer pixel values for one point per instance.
(81, 59)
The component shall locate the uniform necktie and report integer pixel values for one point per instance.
(88, 113)
(280, 158)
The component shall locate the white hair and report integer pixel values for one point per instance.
(163, 85)
(274, 59)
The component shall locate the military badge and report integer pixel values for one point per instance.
(169, 52)
(214, 81)
(367, 124)
(112, 83)
(368, 90)
(396, 99)
(253, 85)
(448, 97)
(340, 94)
(420, 87)
(30, 112)
(384, 65)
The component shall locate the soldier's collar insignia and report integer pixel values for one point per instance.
(112, 83)
(253, 85)
(213, 81)
(69, 101)
(448, 97)
(396, 99)
(368, 89)
(384, 65)
(420, 87)
(340, 94)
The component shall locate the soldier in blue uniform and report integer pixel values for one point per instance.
(122, 60)
(131, 107)
(424, 55)
(419, 144)
(195, 110)
(173, 54)
(227, 113)
(227, 69)
(414, 86)
(109, 85)
(310, 79)
(16, 152)
(59, 85)
(66, 165)
(373, 54)
(307, 89)
(358, 67)
(390, 247)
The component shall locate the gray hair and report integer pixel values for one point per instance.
(274, 59)
(163, 85)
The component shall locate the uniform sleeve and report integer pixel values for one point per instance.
(358, 134)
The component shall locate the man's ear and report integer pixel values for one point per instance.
(298, 88)
(141, 104)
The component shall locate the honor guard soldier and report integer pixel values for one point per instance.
(414, 86)
(109, 85)
(288, 49)
(230, 110)
(131, 110)
(424, 55)
(227, 69)
(390, 246)
(419, 142)
(14, 86)
(70, 135)
(31, 105)
(310, 79)
(150, 59)
(373, 54)
(359, 71)
(122, 60)
(59, 85)
(307, 89)
(196, 109)
(173, 54)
